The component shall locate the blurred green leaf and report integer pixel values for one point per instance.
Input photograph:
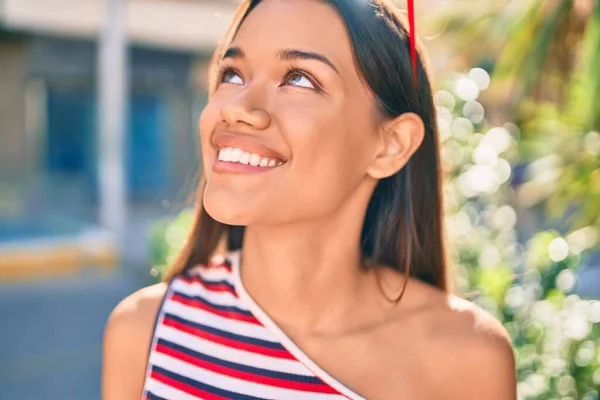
(493, 282)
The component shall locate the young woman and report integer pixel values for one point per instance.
(320, 155)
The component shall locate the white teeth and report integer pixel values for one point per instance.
(225, 154)
(255, 160)
(234, 155)
(245, 159)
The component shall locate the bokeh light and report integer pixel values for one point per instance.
(467, 89)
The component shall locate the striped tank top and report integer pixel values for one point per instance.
(212, 341)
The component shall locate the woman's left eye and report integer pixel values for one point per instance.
(297, 79)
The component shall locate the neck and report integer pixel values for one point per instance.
(308, 276)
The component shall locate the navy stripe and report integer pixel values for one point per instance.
(203, 386)
(226, 334)
(231, 309)
(152, 396)
(240, 367)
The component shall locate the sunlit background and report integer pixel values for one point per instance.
(99, 101)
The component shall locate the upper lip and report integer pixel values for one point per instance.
(247, 143)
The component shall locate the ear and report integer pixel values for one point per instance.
(400, 138)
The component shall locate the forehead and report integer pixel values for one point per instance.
(300, 24)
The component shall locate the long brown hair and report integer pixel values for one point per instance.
(403, 226)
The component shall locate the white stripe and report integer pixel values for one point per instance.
(196, 289)
(233, 384)
(212, 274)
(167, 392)
(233, 355)
(200, 316)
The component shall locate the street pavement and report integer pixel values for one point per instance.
(51, 333)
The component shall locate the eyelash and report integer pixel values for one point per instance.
(292, 69)
(296, 70)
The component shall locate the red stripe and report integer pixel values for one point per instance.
(185, 387)
(221, 287)
(412, 38)
(223, 313)
(246, 376)
(249, 347)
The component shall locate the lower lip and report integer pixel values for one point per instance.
(238, 168)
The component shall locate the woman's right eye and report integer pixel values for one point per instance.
(230, 76)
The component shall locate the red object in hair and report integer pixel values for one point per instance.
(413, 46)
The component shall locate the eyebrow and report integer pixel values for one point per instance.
(285, 54)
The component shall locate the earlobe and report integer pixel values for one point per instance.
(401, 137)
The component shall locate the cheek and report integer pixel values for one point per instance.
(330, 156)
(328, 139)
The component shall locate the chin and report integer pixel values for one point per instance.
(228, 209)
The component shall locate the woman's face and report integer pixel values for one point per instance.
(291, 129)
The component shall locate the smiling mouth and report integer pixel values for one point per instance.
(239, 156)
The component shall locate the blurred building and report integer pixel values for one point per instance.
(49, 124)
(55, 294)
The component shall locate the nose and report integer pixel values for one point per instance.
(242, 110)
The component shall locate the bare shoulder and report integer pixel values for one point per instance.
(137, 309)
(127, 340)
(470, 351)
(434, 345)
